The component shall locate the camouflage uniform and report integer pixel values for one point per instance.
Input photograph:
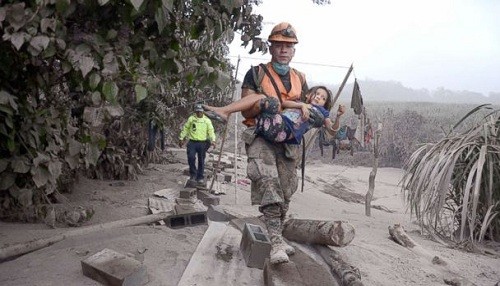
(274, 181)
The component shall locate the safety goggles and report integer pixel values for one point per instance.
(288, 32)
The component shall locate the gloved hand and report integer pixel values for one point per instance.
(316, 119)
(181, 142)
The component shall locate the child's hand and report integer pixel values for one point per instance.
(305, 110)
(341, 110)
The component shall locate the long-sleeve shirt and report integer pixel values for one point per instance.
(198, 129)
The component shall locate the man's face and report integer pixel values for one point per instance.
(199, 114)
(282, 52)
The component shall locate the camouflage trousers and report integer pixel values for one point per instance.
(274, 181)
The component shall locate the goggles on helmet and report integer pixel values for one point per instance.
(288, 32)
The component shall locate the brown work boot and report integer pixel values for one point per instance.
(278, 253)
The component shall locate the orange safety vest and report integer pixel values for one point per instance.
(296, 80)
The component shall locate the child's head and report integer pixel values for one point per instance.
(320, 95)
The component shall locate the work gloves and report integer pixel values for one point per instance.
(316, 119)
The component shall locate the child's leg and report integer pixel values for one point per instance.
(270, 124)
(245, 103)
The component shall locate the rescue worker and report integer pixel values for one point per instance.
(199, 132)
(272, 166)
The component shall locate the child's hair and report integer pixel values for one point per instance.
(328, 102)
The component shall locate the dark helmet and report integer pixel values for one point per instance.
(198, 107)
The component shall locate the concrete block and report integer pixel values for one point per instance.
(224, 178)
(186, 219)
(207, 198)
(283, 274)
(182, 201)
(184, 209)
(112, 268)
(187, 193)
(255, 246)
(216, 213)
(177, 221)
(220, 178)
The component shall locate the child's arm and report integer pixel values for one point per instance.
(333, 127)
(299, 105)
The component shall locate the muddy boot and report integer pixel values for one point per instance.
(278, 254)
(287, 247)
(272, 218)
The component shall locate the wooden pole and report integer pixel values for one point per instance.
(26, 247)
(373, 173)
(214, 175)
(341, 87)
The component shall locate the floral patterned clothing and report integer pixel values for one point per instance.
(287, 126)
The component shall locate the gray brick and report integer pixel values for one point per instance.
(187, 193)
(186, 219)
(112, 268)
(255, 245)
(207, 198)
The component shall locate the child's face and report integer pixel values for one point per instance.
(319, 97)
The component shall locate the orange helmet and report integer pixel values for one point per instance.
(283, 32)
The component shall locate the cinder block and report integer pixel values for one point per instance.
(216, 213)
(186, 219)
(184, 209)
(207, 198)
(182, 201)
(283, 274)
(220, 178)
(255, 246)
(177, 221)
(112, 268)
(187, 193)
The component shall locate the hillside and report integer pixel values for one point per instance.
(394, 91)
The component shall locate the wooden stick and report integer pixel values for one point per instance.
(341, 87)
(9, 252)
(373, 173)
(214, 175)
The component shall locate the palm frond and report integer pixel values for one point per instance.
(454, 184)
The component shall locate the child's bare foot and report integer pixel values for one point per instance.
(215, 113)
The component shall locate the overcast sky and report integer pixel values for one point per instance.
(453, 44)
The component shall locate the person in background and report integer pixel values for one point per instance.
(199, 132)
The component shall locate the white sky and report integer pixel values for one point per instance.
(453, 44)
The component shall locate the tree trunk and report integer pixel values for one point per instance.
(336, 233)
(347, 275)
(23, 248)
